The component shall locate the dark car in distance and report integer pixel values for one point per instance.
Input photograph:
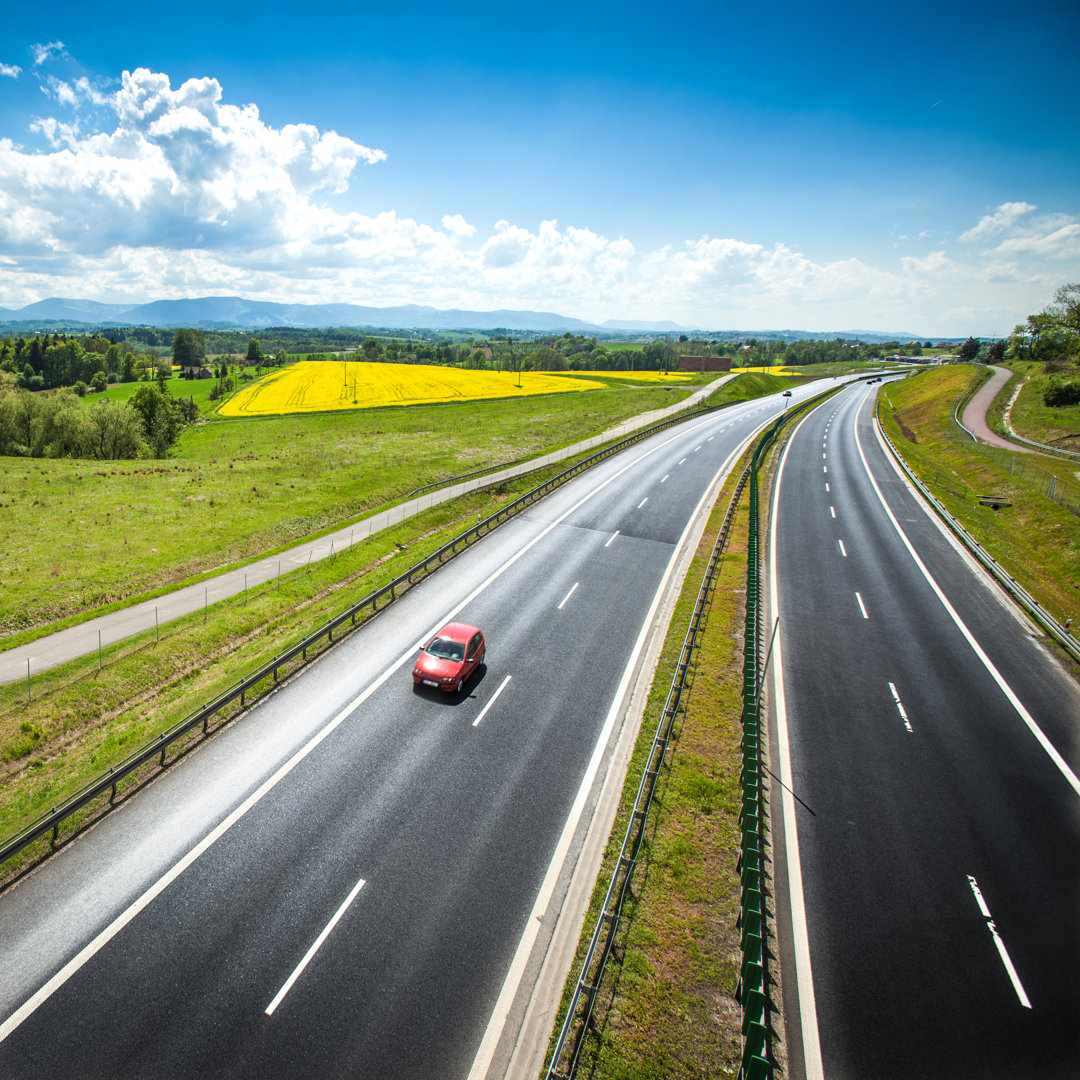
(450, 658)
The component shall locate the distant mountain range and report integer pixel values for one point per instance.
(236, 313)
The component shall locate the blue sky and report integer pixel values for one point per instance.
(820, 168)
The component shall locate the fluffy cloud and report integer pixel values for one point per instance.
(146, 191)
(1004, 217)
(44, 53)
(10, 71)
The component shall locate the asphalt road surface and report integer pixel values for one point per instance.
(930, 880)
(353, 879)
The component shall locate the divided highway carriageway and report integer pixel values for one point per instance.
(354, 879)
(927, 822)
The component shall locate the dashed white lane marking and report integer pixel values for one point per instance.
(696, 449)
(1002, 951)
(613, 535)
(314, 949)
(826, 487)
(900, 707)
(568, 595)
(666, 475)
(843, 550)
(832, 510)
(643, 502)
(824, 468)
(683, 462)
(494, 697)
(862, 606)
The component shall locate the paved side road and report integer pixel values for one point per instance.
(81, 640)
(974, 418)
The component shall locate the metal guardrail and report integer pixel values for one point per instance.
(579, 1011)
(751, 992)
(158, 747)
(965, 396)
(1058, 631)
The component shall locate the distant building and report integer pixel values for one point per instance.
(704, 363)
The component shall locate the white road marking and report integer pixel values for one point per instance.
(643, 502)
(613, 535)
(862, 606)
(573, 588)
(1051, 750)
(128, 914)
(843, 550)
(494, 697)
(666, 475)
(482, 1062)
(696, 449)
(1002, 951)
(900, 707)
(314, 949)
(683, 461)
(824, 468)
(804, 976)
(832, 510)
(826, 487)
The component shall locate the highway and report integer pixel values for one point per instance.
(354, 878)
(927, 810)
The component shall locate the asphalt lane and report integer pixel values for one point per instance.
(156, 943)
(938, 835)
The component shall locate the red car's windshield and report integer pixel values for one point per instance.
(445, 649)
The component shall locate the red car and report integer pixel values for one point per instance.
(450, 657)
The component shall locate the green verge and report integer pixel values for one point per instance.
(666, 1006)
(79, 536)
(76, 720)
(1036, 540)
(1033, 419)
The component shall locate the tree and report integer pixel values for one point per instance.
(996, 351)
(189, 348)
(254, 352)
(968, 349)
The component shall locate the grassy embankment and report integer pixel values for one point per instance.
(1035, 539)
(666, 1007)
(82, 720)
(1030, 417)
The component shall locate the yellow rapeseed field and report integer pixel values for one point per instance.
(319, 385)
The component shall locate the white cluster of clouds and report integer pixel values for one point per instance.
(150, 192)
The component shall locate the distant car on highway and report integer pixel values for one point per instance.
(450, 658)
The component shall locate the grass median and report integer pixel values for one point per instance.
(666, 1006)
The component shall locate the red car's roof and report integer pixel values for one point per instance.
(458, 631)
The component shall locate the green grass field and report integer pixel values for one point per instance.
(81, 534)
(1035, 539)
(1058, 427)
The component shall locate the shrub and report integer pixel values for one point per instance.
(1061, 392)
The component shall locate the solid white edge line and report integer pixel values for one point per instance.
(494, 698)
(494, 1030)
(1006, 689)
(105, 936)
(804, 976)
(1003, 953)
(317, 944)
